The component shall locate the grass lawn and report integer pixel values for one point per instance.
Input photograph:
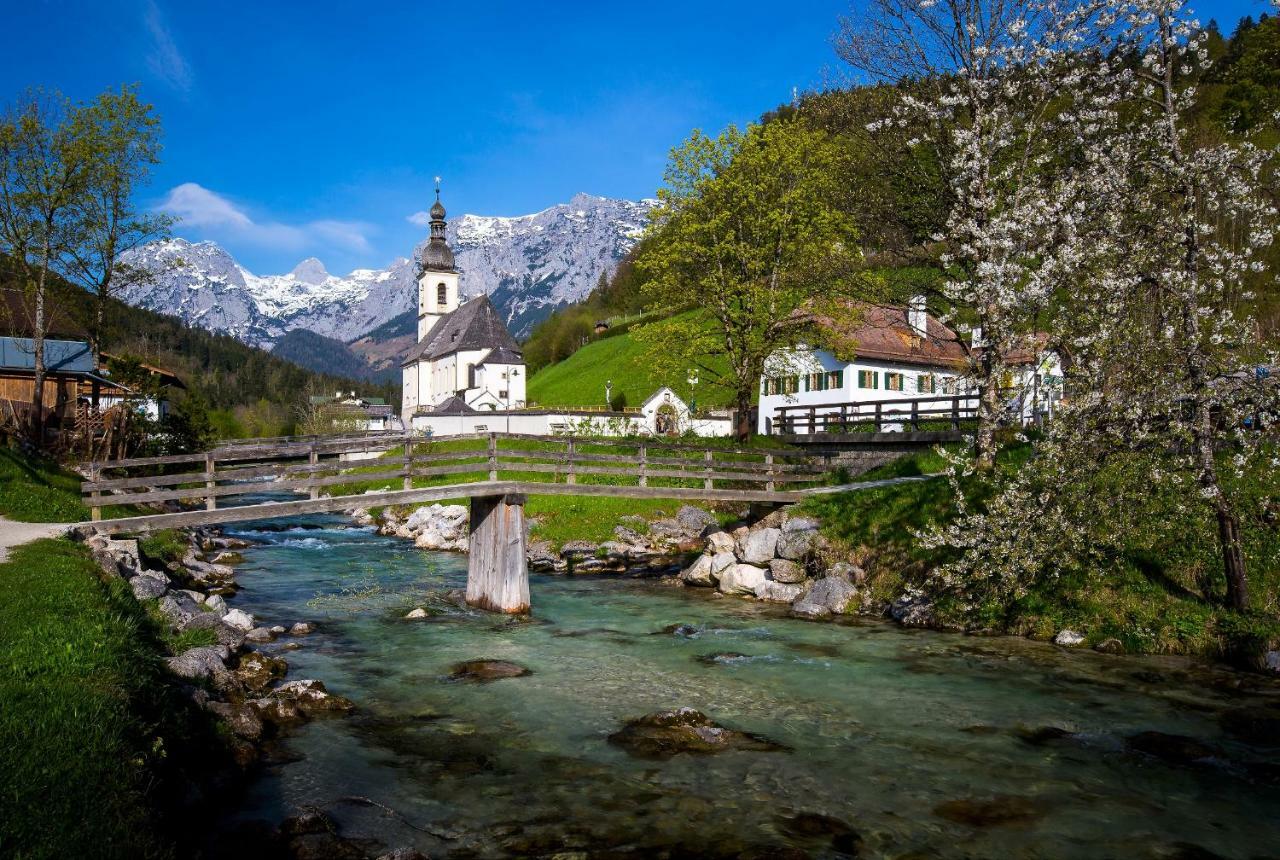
(91, 730)
(579, 379)
(40, 491)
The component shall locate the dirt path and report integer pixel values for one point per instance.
(15, 534)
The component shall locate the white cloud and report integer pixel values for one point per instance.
(210, 212)
(419, 219)
(165, 60)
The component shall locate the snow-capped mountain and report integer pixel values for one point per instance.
(528, 264)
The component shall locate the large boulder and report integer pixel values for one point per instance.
(232, 637)
(311, 697)
(257, 671)
(179, 608)
(695, 519)
(721, 541)
(684, 730)
(758, 546)
(243, 720)
(699, 573)
(912, 609)
(149, 585)
(801, 524)
(240, 619)
(722, 561)
(742, 579)
(783, 570)
(126, 555)
(778, 592)
(828, 596)
(203, 662)
(487, 670)
(850, 572)
(796, 545)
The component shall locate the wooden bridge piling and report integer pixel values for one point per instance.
(497, 570)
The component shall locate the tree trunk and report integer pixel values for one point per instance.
(37, 340)
(1233, 566)
(988, 415)
(742, 428)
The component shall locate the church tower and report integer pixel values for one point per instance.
(437, 277)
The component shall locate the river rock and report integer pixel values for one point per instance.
(778, 592)
(999, 810)
(801, 524)
(149, 585)
(742, 579)
(812, 825)
(126, 555)
(278, 629)
(721, 542)
(197, 596)
(302, 628)
(784, 570)
(216, 604)
(241, 719)
(695, 519)
(403, 854)
(487, 670)
(179, 608)
(277, 711)
(912, 609)
(666, 734)
(848, 572)
(1175, 749)
(260, 635)
(828, 596)
(202, 662)
(240, 619)
(312, 697)
(1068, 638)
(1109, 646)
(759, 545)
(796, 545)
(720, 562)
(232, 637)
(257, 670)
(415, 614)
(699, 573)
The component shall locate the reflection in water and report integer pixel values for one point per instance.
(896, 741)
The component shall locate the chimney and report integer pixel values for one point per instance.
(917, 316)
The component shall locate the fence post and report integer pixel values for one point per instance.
(768, 461)
(707, 482)
(493, 456)
(813, 420)
(878, 408)
(955, 413)
(210, 500)
(844, 417)
(644, 465)
(915, 415)
(572, 476)
(313, 459)
(408, 464)
(95, 498)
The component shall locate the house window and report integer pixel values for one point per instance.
(815, 382)
(835, 379)
(868, 379)
(948, 385)
(471, 376)
(893, 381)
(442, 295)
(926, 384)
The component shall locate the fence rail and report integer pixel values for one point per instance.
(876, 415)
(311, 466)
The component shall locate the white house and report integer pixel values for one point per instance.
(895, 354)
(464, 350)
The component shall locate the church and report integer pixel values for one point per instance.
(465, 360)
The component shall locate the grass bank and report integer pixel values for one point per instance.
(1149, 596)
(93, 735)
(34, 490)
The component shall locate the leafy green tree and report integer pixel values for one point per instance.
(750, 240)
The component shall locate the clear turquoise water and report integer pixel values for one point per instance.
(883, 725)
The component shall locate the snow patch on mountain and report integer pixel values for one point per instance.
(529, 264)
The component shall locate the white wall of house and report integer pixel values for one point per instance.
(505, 381)
(863, 381)
(559, 422)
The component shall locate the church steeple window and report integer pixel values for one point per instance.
(442, 296)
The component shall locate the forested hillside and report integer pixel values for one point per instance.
(325, 354)
(898, 199)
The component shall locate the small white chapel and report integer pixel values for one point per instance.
(465, 360)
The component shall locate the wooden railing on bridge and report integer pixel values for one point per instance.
(919, 414)
(651, 467)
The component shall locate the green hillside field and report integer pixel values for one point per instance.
(579, 379)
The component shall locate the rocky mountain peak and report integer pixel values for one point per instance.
(310, 271)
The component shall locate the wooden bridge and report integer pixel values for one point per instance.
(496, 472)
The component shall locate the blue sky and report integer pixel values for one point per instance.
(314, 129)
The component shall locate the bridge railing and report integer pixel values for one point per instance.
(311, 467)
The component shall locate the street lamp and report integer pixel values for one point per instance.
(692, 379)
(608, 394)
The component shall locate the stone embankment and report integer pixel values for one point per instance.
(224, 674)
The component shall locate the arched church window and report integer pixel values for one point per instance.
(442, 295)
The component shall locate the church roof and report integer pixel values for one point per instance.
(455, 405)
(502, 355)
(474, 325)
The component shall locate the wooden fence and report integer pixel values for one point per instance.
(643, 468)
(875, 416)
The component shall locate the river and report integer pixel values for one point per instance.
(924, 744)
